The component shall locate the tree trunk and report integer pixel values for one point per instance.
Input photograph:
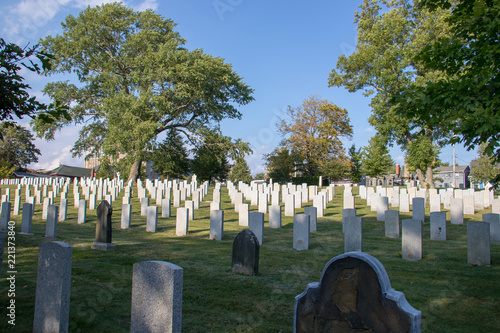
(421, 178)
(429, 175)
(135, 170)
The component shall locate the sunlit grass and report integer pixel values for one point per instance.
(452, 295)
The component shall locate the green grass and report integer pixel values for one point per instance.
(452, 295)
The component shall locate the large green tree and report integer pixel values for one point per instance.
(212, 154)
(280, 165)
(240, 172)
(421, 156)
(314, 131)
(16, 146)
(135, 80)
(483, 169)
(356, 156)
(390, 34)
(376, 160)
(466, 100)
(170, 157)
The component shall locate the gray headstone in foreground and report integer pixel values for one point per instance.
(354, 294)
(313, 220)
(256, 225)
(152, 219)
(156, 297)
(456, 211)
(353, 234)
(216, 224)
(301, 231)
(27, 219)
(418, 209)
(182, 221)
(5, 215)
(51, 224)
(478, 243)
(494, 221)
(53, 284)
(245, 259)
(275, 216)
(412, 239)
(438, 225)
(392, 224)
(103, 228)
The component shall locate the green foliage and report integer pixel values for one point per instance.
(16, 145)
(136, 80)
(466, 100)
(6, 169)
(313, 131)
(422, 153)
(376, 160)
(170, 157)
(212, 154)
(260, 176)
(240, 172)
(355, 156)
(483, 169)
(390, 34)
(15, 100)
(336, 169)
(280, 165)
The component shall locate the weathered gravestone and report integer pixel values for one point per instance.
(182, 221)
(245, 258)
(165, 208)
(313, 218)
(382, 207)
(53, 284)
(301, 230)
(438, 225)
(290, 205)
(126, 217)
(354, 295)
(27, 218)
(243, 214)
(347, 212)
(412, 239)
(63, 209)
(256, 225)
(275, 216)
(478, 243)
(82, 212)
(418, 209)
(216, 224)
(144, 206)
(156, 297)
(51, 224)
(152, 219)
(456, 211)
(404, 202)
(392, 223)
(494, 221)
(353, 234)
(5, 215)
(103, 228)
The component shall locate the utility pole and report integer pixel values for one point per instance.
(454, 169)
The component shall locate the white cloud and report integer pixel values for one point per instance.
(147, 4)
(57, 158)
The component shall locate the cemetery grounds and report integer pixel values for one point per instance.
(452, 295)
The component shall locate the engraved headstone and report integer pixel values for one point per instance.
(103, 228)
(354, 294)
(412, 239)
(438, 225)
(313, 220)
(478, 243)
(245, 259)
(216, 224)
(256, 225)
(353, 234)
(392, 224)
(301, 231)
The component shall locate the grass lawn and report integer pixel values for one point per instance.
(452, 295)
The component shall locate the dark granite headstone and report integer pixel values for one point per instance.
(354, 294)
(245, 253)
(103, 229)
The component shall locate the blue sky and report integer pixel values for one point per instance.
(284, 50)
